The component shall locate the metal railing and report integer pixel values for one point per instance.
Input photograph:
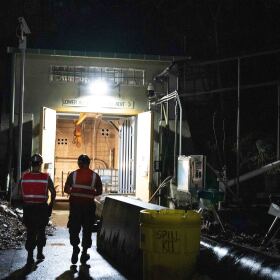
(110, 179)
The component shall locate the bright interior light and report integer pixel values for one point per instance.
(98, 87)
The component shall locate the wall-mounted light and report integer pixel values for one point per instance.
(151, 90)
(151, 94)
(97, 87)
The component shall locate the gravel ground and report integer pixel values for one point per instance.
(12, 231)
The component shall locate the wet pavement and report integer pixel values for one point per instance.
(57, 264)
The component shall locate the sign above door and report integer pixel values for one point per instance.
(100, 102)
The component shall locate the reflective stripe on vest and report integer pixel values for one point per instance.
(83, 192)
(33, 195)
(35, 181)
(35, 187)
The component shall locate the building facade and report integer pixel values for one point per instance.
(89, 103)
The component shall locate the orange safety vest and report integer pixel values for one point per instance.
(83, 187)
(34, 187)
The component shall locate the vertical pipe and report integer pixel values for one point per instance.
(133, 152)
(180, 123)
(160, 136)
(238, 128)
(127, 154)
(12, 124)
(167, 104)
(278, 121)
(21, 110)
(110, 158)
(111, 171)
(184, 65)
(131, 156)
(125, 158)
(175, 142)
(160, 149)
(175, 132)
(62, 183)
(120, 158)
(92, 138)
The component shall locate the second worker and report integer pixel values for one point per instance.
(82, 185)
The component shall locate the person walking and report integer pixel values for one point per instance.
(36, 211)
(82, 185)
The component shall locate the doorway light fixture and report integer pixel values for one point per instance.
(98, 86)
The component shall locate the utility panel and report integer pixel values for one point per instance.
(191, 173)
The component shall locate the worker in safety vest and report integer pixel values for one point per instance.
(36, 212)
(82, 185)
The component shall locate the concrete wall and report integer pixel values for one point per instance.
(40, 91)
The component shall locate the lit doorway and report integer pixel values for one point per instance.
(107, 140)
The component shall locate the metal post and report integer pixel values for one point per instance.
(180, 124)
(126, 171)
(238, 128)
(166, 112)
(22, 46)
(167, 103)
(62, 184)
(175, 142)
(278, 121)
(20, 119)
(120, 186)
(159, 176)
(11, 126)
(175, 132)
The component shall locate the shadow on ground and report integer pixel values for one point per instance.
(74, 273)
(22, 272)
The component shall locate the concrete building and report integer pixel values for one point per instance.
(93, 103)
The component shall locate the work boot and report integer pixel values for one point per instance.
(40, 255)
(30, 259)
(75, 254)
(84, 257)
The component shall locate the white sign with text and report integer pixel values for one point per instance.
(100, 102)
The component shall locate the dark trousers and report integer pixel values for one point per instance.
(35, 218)
(81, 216)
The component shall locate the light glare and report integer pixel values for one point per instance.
(98, 87)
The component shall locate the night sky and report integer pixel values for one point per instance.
(202, 29)
(199, 28)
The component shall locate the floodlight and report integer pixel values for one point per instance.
(151, 90)
(24, 25)
(98, 87)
